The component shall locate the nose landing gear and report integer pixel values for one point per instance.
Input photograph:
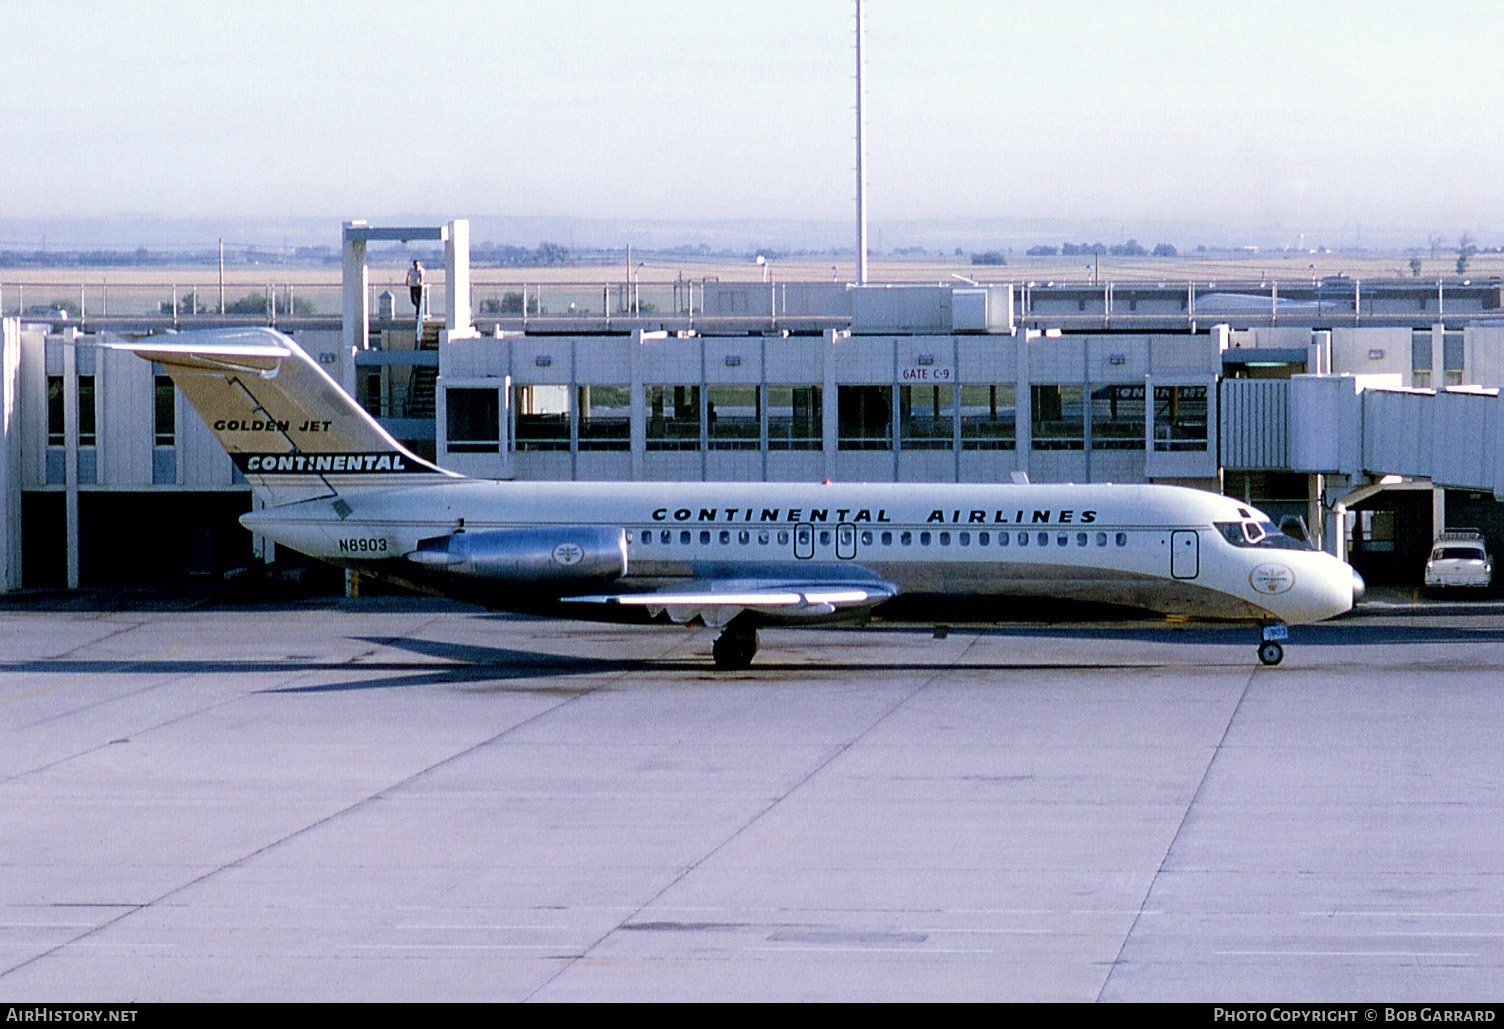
(1271, 650)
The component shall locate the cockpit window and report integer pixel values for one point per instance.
(1265, 535)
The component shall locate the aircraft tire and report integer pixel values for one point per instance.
(1271, 653)
(733, 650)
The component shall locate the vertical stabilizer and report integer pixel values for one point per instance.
(289, 428)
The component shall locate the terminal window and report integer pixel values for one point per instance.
(733, 415)
(86, 416)
(56, 423)
(542, 413)
(989, 417)
(164, 412)
(605, 417)
(865, 417)
(1179, 418)
(473, 420)
(1453, 353)
(926, 417)
(796, 418)
(1420, 358)
(673, 417)
(1058, 417)
(1117, 417)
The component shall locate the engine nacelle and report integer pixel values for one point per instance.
(565, 555)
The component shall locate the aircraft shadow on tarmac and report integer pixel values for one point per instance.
(440, 663)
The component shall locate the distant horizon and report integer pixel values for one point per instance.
(720, 236)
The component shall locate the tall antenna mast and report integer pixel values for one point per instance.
(861, 162)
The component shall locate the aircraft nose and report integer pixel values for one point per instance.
(1359, 588)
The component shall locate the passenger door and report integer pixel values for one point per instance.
(1185, 554)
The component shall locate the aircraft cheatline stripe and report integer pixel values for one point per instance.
(317, 464)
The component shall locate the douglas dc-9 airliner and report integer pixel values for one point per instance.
(333, 484)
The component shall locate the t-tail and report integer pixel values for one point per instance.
(288, 427)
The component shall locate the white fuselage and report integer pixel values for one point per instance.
(1157, 548)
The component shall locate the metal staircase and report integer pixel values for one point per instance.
(421, 387)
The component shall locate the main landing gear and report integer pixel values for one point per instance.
(735, 646)
(1271, 650)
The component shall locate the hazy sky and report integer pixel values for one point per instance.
(1276, 115)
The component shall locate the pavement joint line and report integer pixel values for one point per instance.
(266, 848)
(181, 716)
(1346, 953)
(1179, 828)
(88, 675)
(757, 817)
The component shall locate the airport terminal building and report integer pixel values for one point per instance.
(1367, 409)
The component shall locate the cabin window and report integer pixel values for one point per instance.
(704, 537)
(541, 417)
(684, 538)
(1063, 540)
(1179, 418)
(1080, 539)
(924, 539)
(1122, 539)
(887, 539)
(926, 417)
(945, 539)
(867, 539)
(989, 417)
(605, 414)
(647, 535)
(796, 418)
(906, 538)
(762, 537)
(965, 539)
(733, 417)
(473, 419)
(1101, 539)
(824, 537)
(1003, 539)
(665, 537)
(783, 538)
(1042, 539)
(865, 417)
(1058, 417)
(725, 537)
(673, 417)
(744, 537)
(983, 538)
(1023, 539)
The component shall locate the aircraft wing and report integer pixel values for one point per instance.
(716, 602)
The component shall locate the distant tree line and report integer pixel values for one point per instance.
(507, 256)
(1132, 248)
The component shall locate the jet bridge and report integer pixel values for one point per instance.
(1359, 437)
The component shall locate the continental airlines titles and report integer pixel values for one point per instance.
(1068, 516)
